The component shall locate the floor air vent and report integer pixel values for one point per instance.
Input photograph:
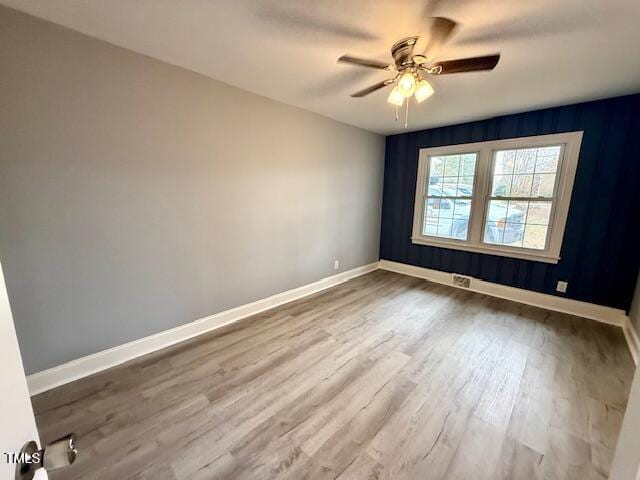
(461, 281)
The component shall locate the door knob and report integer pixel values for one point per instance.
(57, 454)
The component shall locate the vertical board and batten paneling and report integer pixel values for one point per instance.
(600, 254)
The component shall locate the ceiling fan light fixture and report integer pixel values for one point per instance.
(396, 97)
(423, 91)
(407, 84)
(413, 58)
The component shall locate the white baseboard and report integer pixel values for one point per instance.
(612, 316)
(53, 377)
(592, 311)
(633, 340)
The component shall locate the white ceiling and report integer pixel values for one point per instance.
(553, 51)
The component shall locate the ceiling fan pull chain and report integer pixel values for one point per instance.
(406, 115)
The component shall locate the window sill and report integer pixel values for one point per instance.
(502, 252)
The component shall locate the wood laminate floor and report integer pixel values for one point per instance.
(382, 377)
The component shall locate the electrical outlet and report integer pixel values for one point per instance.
(336, 264)
(461, 281)
(562, 287)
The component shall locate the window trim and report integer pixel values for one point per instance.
(565, 177)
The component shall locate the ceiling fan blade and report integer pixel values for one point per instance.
(363, 62)
(473, 64)
(373, 88)
(439, 32)
(431, 7)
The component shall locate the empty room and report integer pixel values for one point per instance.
(319, 239)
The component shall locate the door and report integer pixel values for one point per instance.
(16, 414)
(626, 460)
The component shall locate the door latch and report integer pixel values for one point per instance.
(57, 454)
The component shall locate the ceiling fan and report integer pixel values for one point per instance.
(412, 59)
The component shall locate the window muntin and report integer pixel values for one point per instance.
(522, 194)
(515, 202)
(449, 196)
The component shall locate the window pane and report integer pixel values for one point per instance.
(436, 166)
(535, 236)
(465, 186)
(496, 221)
(521, 185)
(468, 165)
(444, 228)
(430, 223)
(504, 233)
(446, 208)
(539, 213)
(518, 223)
(525, 160)
(505, 222)
(525, 172)
(451, 165)
(497, 209)
(449, 185)
(504, 162)
(447, 218)
(460, 228)
(517, 211)
(435, 187)
(501, 185)
(543, 184)
(547, 161)
(493, 233)
(452, 177)
(513, 234)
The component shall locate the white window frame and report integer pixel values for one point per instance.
(565, 175)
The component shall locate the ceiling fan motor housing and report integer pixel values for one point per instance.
(402, 51)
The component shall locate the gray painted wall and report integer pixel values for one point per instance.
(136, 196)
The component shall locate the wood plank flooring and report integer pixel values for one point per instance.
(382, 377)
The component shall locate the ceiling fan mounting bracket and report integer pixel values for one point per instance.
(408, 66)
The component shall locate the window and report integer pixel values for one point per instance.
(449, 195)
(505, 197)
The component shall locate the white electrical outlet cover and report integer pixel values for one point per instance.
(562, 287)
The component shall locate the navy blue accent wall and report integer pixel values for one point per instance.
(601, 248)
